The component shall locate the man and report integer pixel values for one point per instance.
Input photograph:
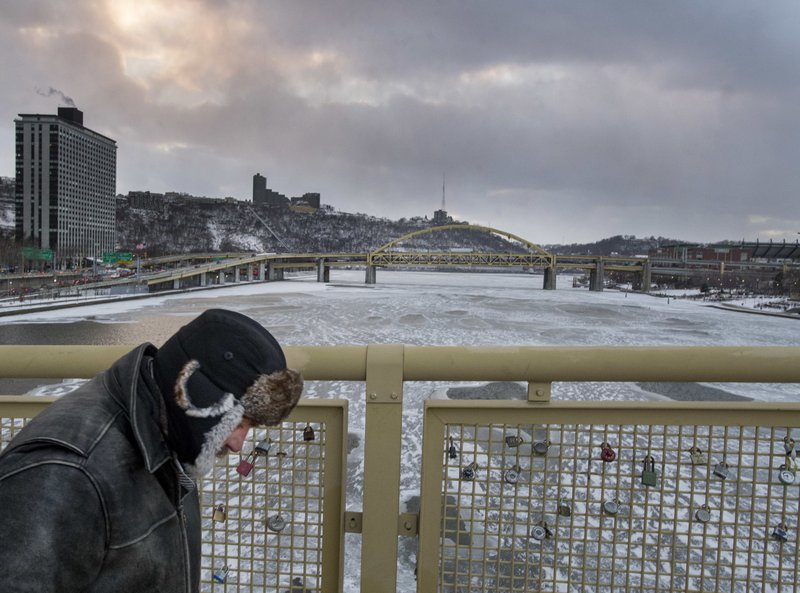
(97, 492)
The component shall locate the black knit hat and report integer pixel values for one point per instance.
(216, 370)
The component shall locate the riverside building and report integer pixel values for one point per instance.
(66, 177)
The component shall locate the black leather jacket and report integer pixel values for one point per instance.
(90, 497)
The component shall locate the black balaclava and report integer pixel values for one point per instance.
(214, 371)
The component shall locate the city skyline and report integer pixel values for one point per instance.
(558, 122)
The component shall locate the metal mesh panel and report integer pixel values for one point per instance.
(534, 507)
(266, 528)
(280, 527)
(9, 427)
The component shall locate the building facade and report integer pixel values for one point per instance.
(308, 202)
(66, 177)
(702, 252)
(264, 197)
(259, 189)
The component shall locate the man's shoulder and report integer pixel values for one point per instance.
(75, 423)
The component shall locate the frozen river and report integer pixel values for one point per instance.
(430, 309)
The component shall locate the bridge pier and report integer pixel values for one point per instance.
(596, 277)
(645, 277)
(176, 284)
(323, 271)
(236, 274)
(370, 275)
(549, 278)
(261, 270)
(203, 278)
(273, 272)
(221, 276)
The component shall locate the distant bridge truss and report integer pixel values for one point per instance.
(391, 254)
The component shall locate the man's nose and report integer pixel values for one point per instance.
(236, 440)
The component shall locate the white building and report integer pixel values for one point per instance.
(66, 178)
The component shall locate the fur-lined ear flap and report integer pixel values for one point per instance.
(272, 397)
(227, 403)
(181, 393)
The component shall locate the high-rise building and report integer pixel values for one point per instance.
(66, 176)
(259, 188)
(265, 197)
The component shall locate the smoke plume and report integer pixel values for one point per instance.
(51, 91)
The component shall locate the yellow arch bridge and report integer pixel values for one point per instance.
(410, 252)
(202, 269)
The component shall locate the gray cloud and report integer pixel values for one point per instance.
(559, 122)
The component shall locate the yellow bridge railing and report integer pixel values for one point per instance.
(533, 495)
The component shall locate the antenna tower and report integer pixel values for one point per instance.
(443, 204)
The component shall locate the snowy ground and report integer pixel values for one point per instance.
(458, 309)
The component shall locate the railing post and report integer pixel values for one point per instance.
(381, 506)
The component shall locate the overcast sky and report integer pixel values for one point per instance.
(559, 121)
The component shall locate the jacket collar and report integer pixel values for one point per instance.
(141, 405)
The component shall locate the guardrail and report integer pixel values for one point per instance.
(533, 495)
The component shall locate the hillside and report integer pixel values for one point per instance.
(238, 227)
(616, 245)
(188, 227)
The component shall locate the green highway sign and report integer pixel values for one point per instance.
(112, 257)
(34, 253)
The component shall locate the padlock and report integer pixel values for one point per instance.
(564, 510)
(514, 441)
(541, 447)
(245, 465)
(697, 456)
(308, 433)
(780, 532)
(276, 522)
(649, 477)
(721, 470)
(611, 507)
(703, 514)
(468, 473)
(220, 514)
(512, 475)
(452, 452)
(538, 533)
(786, 475)
(607, 454)
(541, 531)
(220, 574)
(262, 448)
(788, 445)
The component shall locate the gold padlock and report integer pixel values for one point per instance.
(697, 456)
(220, 514)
